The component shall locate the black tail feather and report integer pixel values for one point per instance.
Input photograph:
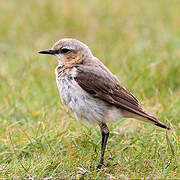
(156, 122)
(162, 125)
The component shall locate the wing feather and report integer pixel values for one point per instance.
(104, 86)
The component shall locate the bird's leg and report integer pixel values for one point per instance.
(105, 133)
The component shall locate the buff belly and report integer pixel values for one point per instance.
(83, 105)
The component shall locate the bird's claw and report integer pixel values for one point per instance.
(99, 166)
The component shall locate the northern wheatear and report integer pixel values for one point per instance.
(91, 91)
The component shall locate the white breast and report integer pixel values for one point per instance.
(83, 105)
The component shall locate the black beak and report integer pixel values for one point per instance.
(47, 51)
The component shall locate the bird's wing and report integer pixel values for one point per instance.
(102, 85)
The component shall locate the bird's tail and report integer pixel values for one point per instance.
(154, 120)
(146, 117)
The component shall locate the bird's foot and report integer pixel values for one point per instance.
(99, 166)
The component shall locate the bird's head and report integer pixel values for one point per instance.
(69, 51)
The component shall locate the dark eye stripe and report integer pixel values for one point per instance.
(64, 50)
(56, 51)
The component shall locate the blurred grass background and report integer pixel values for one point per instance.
(138, 40)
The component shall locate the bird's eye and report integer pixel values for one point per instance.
(64, 50)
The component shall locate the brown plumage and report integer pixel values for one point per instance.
(102, 86)
(91, 91)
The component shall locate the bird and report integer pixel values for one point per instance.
(91, 92)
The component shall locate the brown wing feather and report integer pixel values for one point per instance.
(105, 87)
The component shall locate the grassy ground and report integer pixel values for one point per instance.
(138, 40)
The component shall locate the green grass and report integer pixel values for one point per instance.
(139, 41)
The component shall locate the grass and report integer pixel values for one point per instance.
(137, 40)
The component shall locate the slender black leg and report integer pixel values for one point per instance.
(105, 134)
